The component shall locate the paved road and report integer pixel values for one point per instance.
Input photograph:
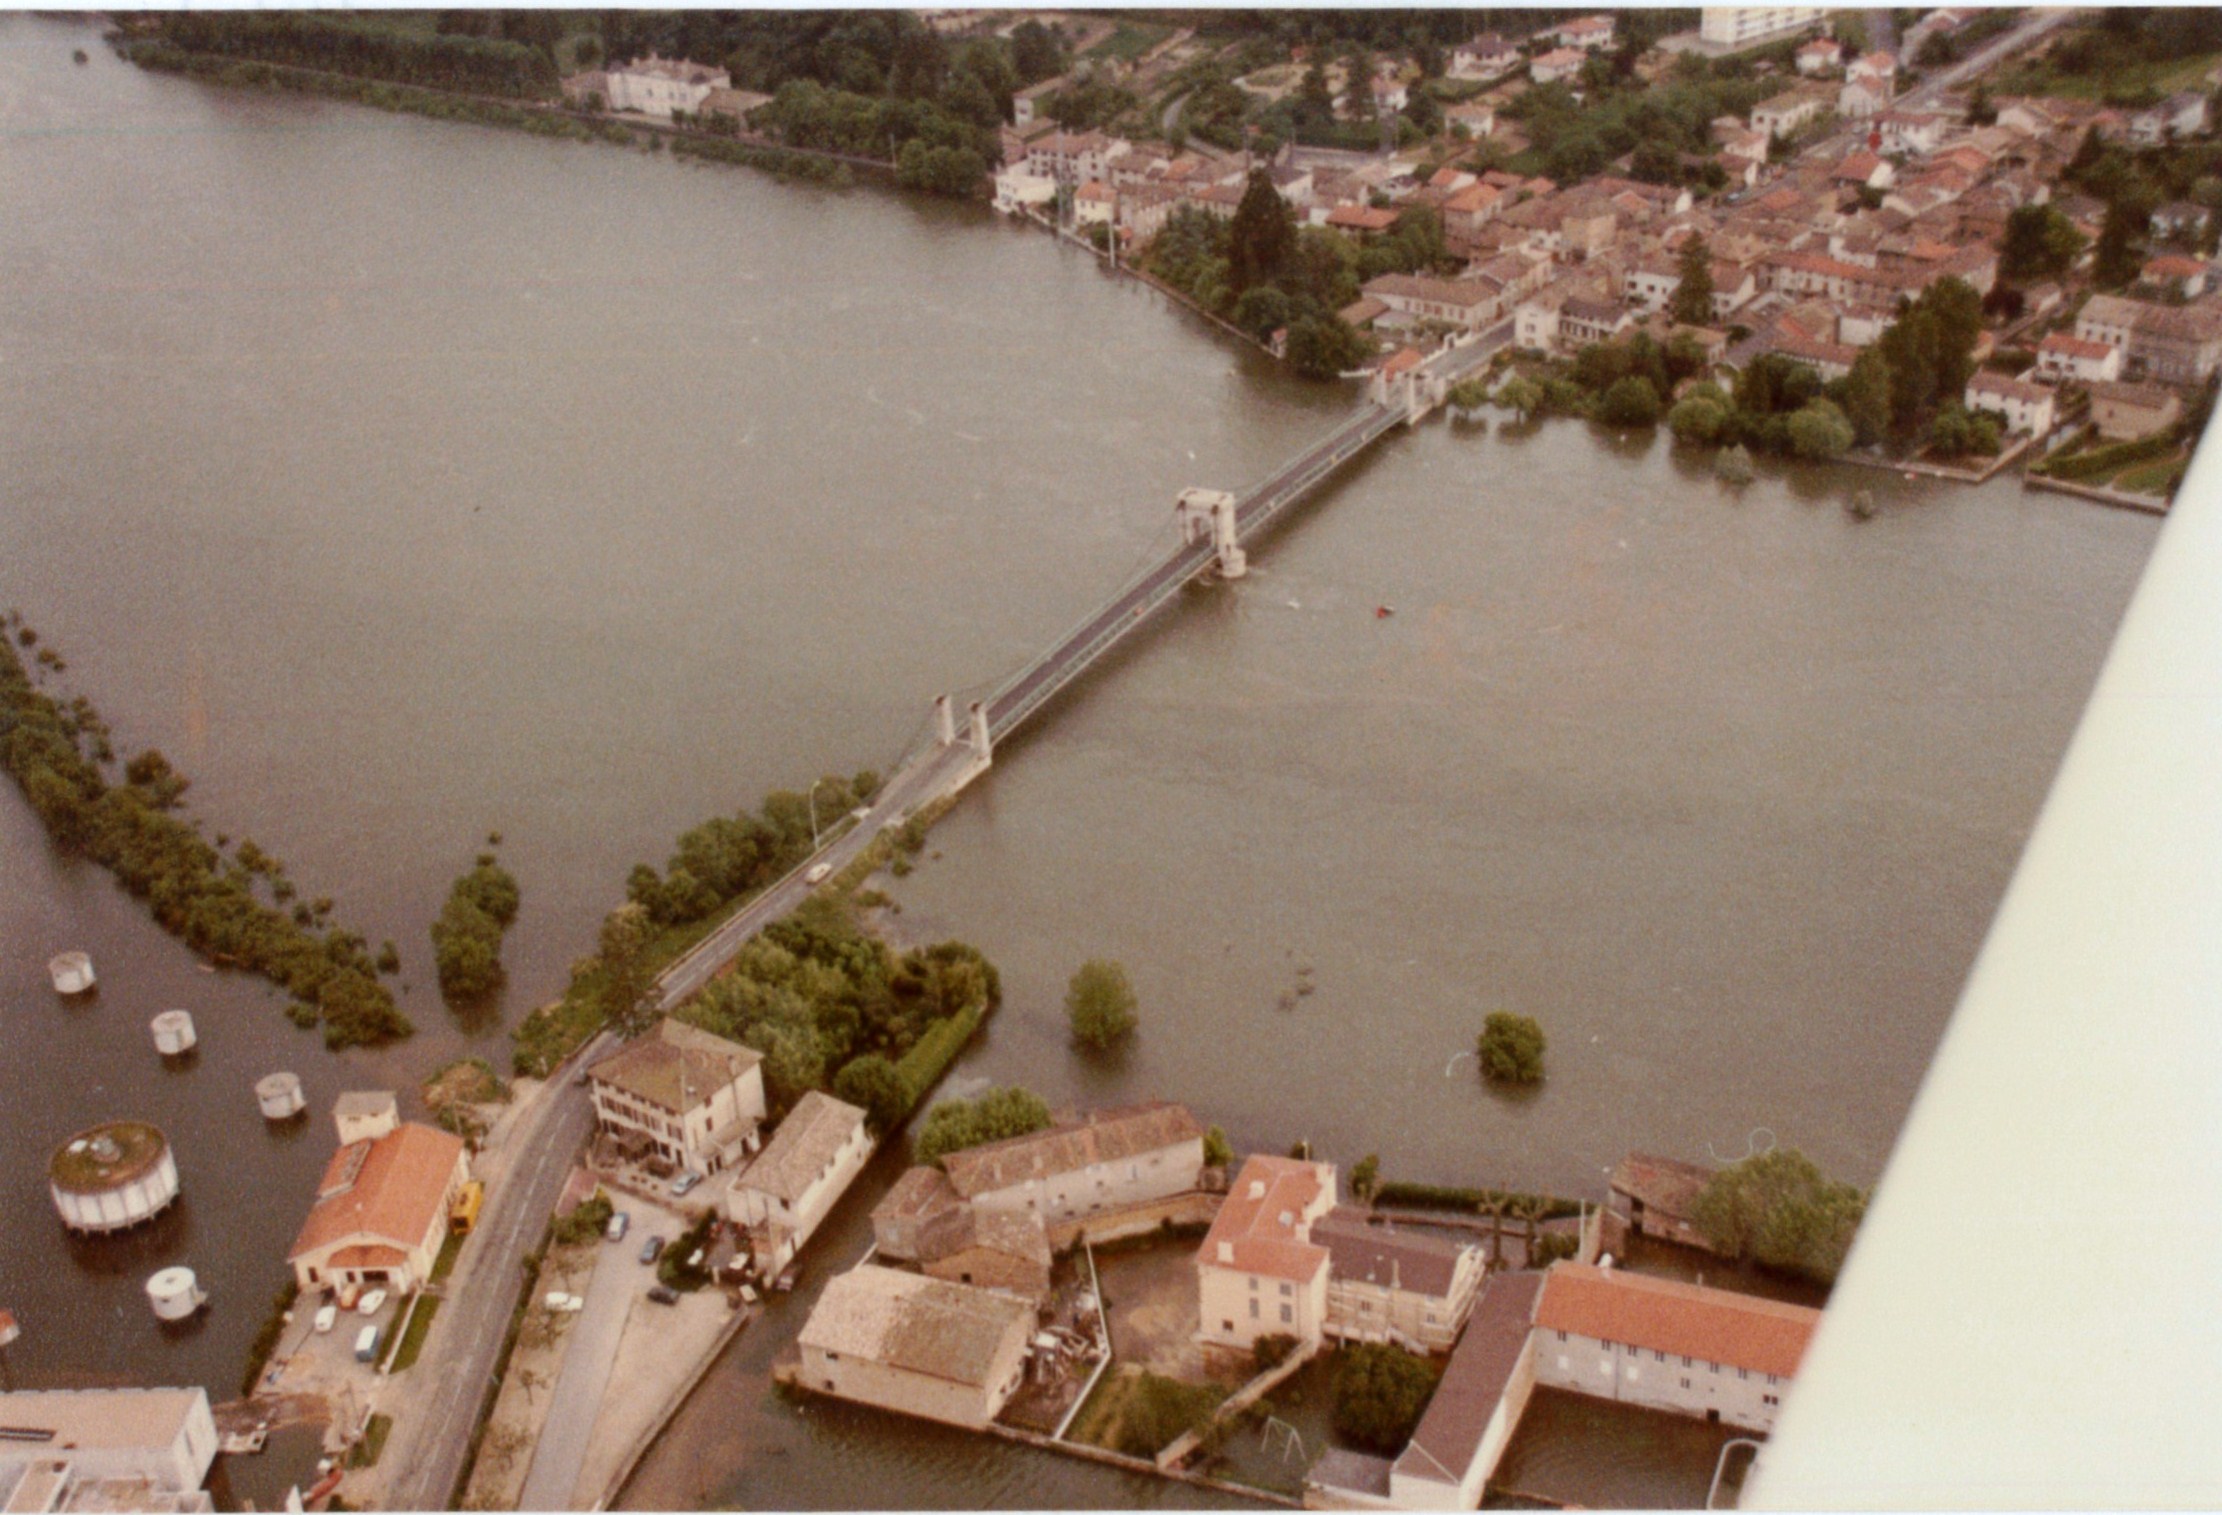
(919, 781)
(618, 1281)
(1926, 94)
(432, 1429)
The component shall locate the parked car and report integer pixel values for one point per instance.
(619, 1223)
(664, 1296)
(817, 873)
(651, 1249)
(366, 1344)
(560, 1303)
(683, 1183)
(371, 1303)
(326, 1318)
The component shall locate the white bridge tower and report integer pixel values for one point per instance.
(1209, 513)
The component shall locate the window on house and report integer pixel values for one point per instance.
(1287, 1289)
(1562, 1336)
(1253, 1309)
(1685, 1383)
(1744, 1373)
(1253, 1283)
(1661, 1356)
(1287, 1315)
(1772, 1399)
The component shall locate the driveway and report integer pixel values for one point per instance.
(619, 1280)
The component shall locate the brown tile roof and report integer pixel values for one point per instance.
(921, 1190)
(1665, 1184)
(2074, 346)
(1667, 1315)
(677, 1068)
(1261, 1221)
(1013, 1233)
(1450, 1432)
(1101, 1136)
(922, 1325)
(1359, 1250)
(391, 1188)
(802, 1148)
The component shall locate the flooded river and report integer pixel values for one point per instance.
(405, 481)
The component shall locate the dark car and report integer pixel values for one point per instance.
(664, 1296)
(652, 1249)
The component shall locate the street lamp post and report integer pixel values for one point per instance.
(814, 814)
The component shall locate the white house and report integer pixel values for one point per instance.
(688, 1097)
(921, 1346)
(1485, 57)
(2026, 408)
(1258, 1272)
(1783, 114)
(1585, 32)
(1018, 189)
(807, 1165)
(1668, 1345)
(1557, 66)
(1820, 55)
(2064, 357)
(658, 87)
(1874, 68)
(1389, 94)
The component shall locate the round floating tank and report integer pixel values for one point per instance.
(72, 972)
(173, 1033)
(175, 1294)
(279, 1094)
(112, 1176)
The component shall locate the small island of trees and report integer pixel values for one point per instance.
(466, 939)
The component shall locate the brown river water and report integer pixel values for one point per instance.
(404, 481)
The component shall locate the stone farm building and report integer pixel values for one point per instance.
(1657, 1197)
(1105, 1160)
(807, 1165)
(684, 1096)
(917, 1345)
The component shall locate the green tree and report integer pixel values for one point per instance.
(1867, 396)
(1036, 54)
(1100, 1003)
(1630, 402)
(624, 960)
(466, 950)
(1217, 1152)
(1511, 1048)
(871, 1084)
(1734, 465)
(1424, 111)
(1261, 241)
(1819, 431)
(2040, 243)
(2121, 249)
(151, 771)
(1380, 1392)
(1323, 347)
(1780, 1210)
(1697, 419)
(956, 1124)
(1262, 310)
(1693, 297)
(1365, 1177)
(1523, 395)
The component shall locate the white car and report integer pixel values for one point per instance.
(326, 1318)
(371, 1303)
(817, 874)
(560, 1303)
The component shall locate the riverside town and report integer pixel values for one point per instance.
(960, 758)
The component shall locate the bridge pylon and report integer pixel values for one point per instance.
(1210, 514)
(945, 722)
(982, 743)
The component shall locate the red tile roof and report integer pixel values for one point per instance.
(391, 1189)
(1667, 1315)
(1261, 1227)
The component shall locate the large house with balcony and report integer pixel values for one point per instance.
(682, 1097)
(1259, 1273)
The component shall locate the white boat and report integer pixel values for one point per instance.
(326, 1318)
(371, 1303)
